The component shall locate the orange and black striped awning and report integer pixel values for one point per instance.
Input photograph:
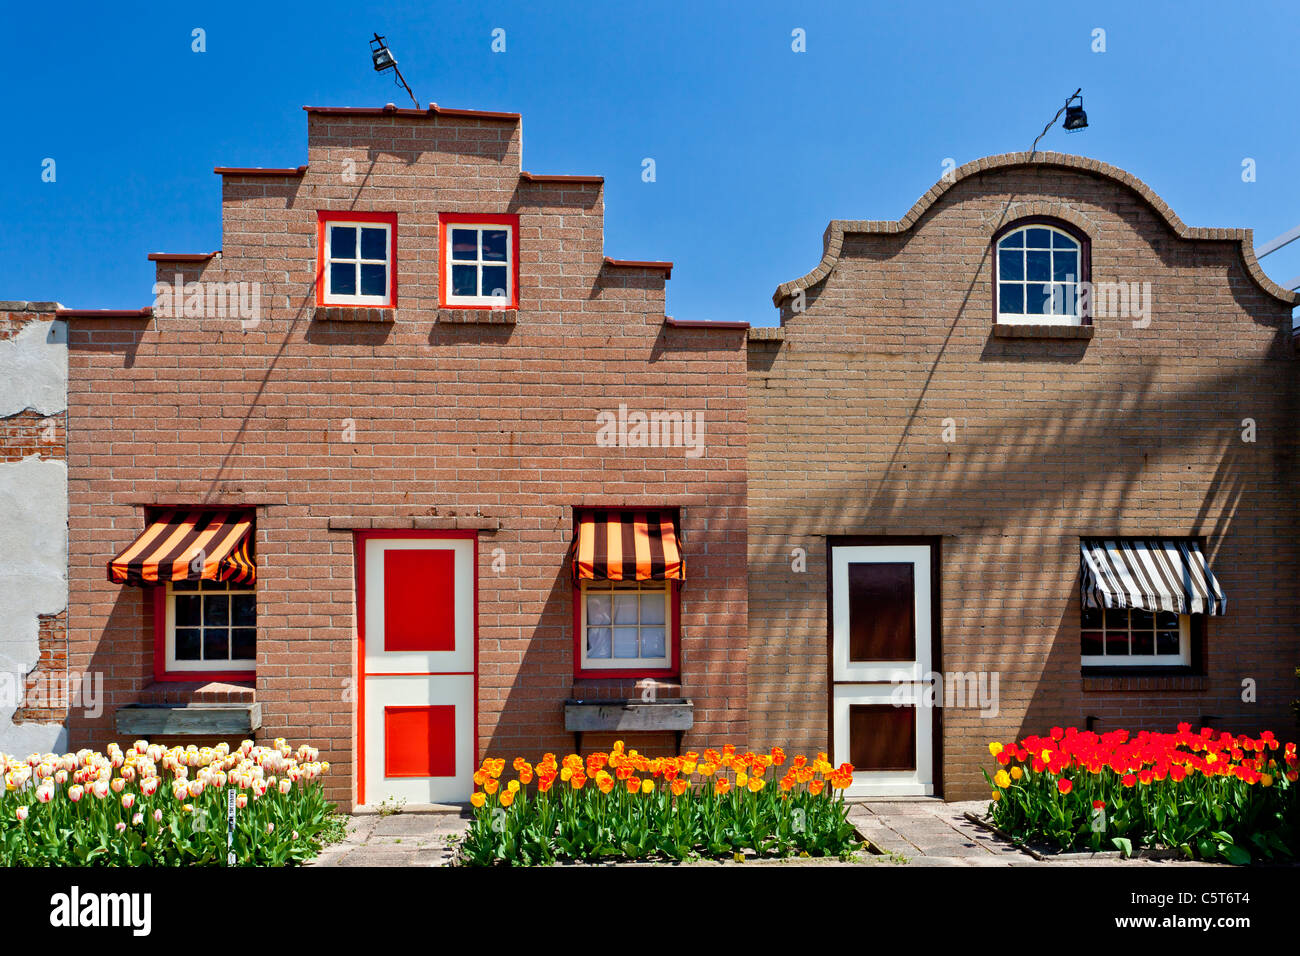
(189, 546)
(627, 546)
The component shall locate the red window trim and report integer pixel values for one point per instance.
(324, 216)
(477, 219)
(674, 657)
(160, 671)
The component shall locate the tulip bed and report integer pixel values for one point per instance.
(624, 806)
(1208, 795)
(153, 806)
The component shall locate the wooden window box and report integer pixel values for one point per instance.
(675, 714)
(194, 720)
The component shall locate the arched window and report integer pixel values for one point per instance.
(1040, 266)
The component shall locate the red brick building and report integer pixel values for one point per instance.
(431, 377)
(413, 471)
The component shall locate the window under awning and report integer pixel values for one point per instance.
(1152, 574)
(189, 546)
(627, 546)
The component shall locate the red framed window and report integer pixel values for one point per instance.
(479, 261)
(356, 259)
(626, 628)
(205, 630)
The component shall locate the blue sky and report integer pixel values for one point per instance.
(756, 147)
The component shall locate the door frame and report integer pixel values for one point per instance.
(359, 540)
(935, 544)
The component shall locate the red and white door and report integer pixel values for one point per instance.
(418, 612)
(881, 644)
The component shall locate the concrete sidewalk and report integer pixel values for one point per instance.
(904, 833)
(397, 839)
(934, 833)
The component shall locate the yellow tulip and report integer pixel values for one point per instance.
(1016, 773)
(1002, 779)
(995, 748)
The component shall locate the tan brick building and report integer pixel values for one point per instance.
(920, 415)
(412, 471)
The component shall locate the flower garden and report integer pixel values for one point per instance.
(1207, 795)
(154, 806)
(622, 805)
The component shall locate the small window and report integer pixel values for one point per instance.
(626, 625)
(211, 626)
(1039, 269)
(480, 266)
(1130, 637)
(357, 260)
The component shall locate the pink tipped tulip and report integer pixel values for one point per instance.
(128, 801)
(270, 828)
(76, 792)
(100, 789)
(196, 787)
(118, 784)
(157, 816)
(61, 777)
(137, 819)
(45, 793)
(241, 801)
(119, 826)
(21, 813)
(286, 786)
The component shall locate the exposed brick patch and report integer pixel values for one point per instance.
(51, 671)
(29, 433)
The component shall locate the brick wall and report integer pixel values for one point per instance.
(489, 422)
(1136, 432)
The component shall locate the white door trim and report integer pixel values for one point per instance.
(883, 682)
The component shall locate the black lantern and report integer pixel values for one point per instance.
(381, 56)
(1075, 117)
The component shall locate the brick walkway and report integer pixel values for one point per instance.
(908, 833)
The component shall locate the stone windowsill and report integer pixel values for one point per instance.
(354, 313)
(478, 316)
(1004, 330)
(1152, 681)
(199, 692)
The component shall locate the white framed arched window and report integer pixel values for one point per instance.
(1040, 269)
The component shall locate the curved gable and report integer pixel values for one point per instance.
(839, 228)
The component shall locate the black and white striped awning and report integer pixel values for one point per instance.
(1152, 574)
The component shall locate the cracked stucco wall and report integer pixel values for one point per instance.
(33, 515)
